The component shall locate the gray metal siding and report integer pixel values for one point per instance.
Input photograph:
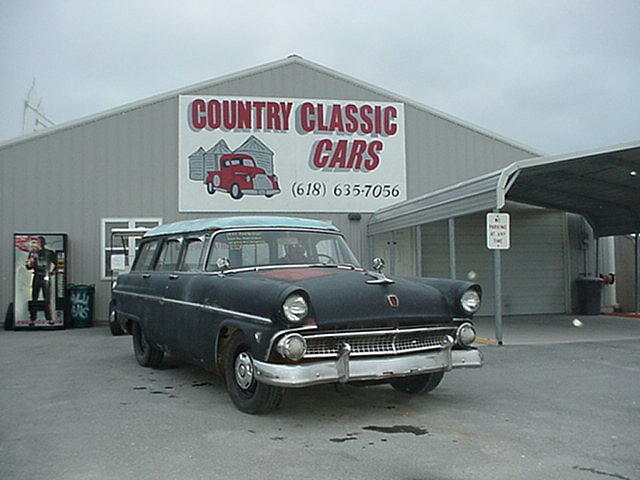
(533, 269)
(124, 164)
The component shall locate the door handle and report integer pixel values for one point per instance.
(173, 276)
(146, 275)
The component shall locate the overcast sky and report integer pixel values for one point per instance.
(559, 76)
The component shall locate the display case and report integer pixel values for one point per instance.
(40, 280)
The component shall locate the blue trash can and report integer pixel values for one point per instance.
(81, 300)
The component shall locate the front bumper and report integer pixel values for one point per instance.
(261, 191)
(348, 370)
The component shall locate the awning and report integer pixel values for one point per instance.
(602, 185)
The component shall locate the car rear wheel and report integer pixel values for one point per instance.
(236, 192)
(146, 354)
(417, 383)
(248, 395)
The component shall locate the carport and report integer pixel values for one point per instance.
(603, 186)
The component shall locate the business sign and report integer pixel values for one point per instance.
(498, 233)
(289, 155)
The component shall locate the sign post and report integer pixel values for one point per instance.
(498, 238)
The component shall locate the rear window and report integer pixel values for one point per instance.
(144, 260)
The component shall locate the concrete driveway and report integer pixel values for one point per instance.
(75, 405)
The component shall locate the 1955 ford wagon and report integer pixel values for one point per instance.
(274, 302)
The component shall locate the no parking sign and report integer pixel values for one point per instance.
(498, 234)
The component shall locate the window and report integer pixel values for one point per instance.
(168, 260)
(192, 253)
(146, 256)
(118, 252)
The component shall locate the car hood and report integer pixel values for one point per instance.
(340, 298)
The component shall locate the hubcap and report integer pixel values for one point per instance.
(244, 370)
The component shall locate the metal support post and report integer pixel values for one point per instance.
(637, 273)
(452, 248)
(596, 270)
(419, 250)
(497, 286)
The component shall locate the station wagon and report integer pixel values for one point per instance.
(271, 303)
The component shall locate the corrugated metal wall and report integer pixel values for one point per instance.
(534, 269)
(126, 165)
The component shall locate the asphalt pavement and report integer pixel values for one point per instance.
(74, 404)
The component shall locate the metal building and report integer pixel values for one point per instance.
(122, 168)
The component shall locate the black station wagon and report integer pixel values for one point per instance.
(274, 302)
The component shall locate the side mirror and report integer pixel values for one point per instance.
(223, 263)
(378, 264)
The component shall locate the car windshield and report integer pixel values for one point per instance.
(247, 162)
(279, 247)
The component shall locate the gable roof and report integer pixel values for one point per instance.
(291, 59)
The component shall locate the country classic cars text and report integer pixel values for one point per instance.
(319, 118)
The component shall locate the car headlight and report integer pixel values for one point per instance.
(295, 308)
(470, 300)
(292, 346)
(466, 334)
(248, 179)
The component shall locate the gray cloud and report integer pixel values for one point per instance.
(557, 75)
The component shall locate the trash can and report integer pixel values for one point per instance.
(81, 298)
(589, 295)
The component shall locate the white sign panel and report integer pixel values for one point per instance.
(248, 154)
(498, 234)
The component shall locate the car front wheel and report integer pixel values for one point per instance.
(210, 189)
(146, 354)
(248, 395)
(417, 383)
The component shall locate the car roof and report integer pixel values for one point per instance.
(201, 224)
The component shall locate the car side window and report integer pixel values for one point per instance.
(146, 254)
(192, 253)
(219, 249)
(169, 256)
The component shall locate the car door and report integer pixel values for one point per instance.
(184, 292)
(159, 328)
(133, 293)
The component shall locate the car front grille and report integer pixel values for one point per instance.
(261, 181)
(379, 342)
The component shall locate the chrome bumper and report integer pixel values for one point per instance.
(347, 370)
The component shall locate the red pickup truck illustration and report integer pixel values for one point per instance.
(239, 175)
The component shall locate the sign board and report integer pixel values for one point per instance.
(498, 233)
(249, 154)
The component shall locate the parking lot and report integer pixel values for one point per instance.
(566, 405)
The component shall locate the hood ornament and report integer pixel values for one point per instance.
(379, 278)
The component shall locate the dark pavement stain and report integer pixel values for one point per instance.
(200, 384)
(139, 388)
(600, 472)
(160, 392)
(342, 439)
(398, 429)
(276, 438)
